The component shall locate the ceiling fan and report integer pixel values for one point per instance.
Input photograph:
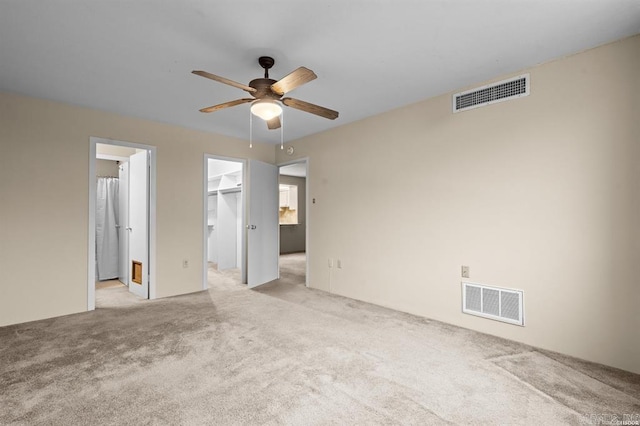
(267, 94)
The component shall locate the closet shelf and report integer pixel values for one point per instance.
(229, 190)
(224, 191)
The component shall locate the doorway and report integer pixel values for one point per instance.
(121, 219)
(224, 236)
(293, 222)
(252, 244)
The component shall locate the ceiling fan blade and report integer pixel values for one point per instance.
(274, 123)
(312, 108)
(224, 80)
(294, 79)
(227, 104)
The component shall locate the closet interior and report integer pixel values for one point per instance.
(224, 214)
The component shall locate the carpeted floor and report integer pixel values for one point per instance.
(286, 354)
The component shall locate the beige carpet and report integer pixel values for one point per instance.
(287, 354)
(293, 268)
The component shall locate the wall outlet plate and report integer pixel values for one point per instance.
(465, 271)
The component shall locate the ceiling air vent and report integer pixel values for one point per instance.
(493, 302)
(493, 93)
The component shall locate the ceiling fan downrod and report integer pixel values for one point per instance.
(266, 62)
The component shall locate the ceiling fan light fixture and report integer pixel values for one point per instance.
(267, 94)
(266, 109)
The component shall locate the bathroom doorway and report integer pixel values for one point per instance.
(121, 220)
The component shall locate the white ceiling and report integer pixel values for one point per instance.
(136, 57)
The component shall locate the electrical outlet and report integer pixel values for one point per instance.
(465, 271)
(339, 264)
(185, 263)
(330, 263)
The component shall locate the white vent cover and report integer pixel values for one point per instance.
(493, 93)
(493, 302)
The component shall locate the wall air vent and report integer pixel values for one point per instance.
(493, 93)
(492, 302)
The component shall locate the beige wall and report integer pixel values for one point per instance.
(540, 194)
(107, 168)
(44, 167)
(292, 237)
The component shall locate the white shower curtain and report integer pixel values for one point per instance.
(106, 231)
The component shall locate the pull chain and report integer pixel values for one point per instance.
(282, 130)
(250, 129)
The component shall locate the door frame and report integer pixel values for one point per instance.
(91, 249)
(205, 224)
(307, 213)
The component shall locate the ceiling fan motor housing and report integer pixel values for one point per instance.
(263, 85)
(263, 88)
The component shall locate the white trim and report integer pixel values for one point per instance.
(91, 249)
(153, 173)
(205, 227)
(205, 224)
(307, 213)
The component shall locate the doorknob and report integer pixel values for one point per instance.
(253, 227)
(129, 229)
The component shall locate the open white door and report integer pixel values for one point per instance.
(123, 219)
(262, 238)
(138, 225)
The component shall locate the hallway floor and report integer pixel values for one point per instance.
(112, 293)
